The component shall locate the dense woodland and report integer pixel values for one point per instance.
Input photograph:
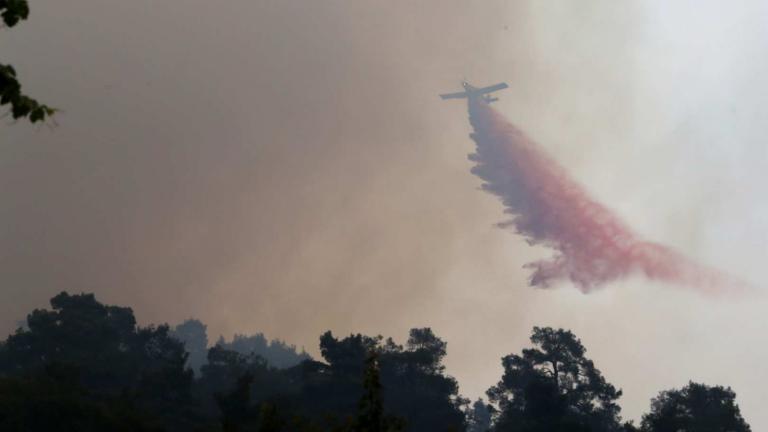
(86, 366)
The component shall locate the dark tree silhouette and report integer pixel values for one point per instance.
(276, 352)
(479, 417)
(193, 334)
(112, 356)
(226, 368)
(414, 384)
(85, 366)
(695, 407)
(553, 387)
(236, 410)
(370, 415)
(13, 11)
(104, 342)
(347, 356)
(53, 400)
(240, 413)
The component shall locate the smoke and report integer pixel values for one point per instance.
(593, 246)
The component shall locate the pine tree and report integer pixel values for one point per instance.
(370, 414)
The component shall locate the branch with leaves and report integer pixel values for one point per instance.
(22, 106)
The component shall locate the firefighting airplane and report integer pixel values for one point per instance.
(471, 91)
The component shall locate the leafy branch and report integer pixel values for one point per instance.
(22, 106)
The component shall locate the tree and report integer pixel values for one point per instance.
(426, 350)
(54, 400)
(225, 370)
(113, 357)
(370, 414)
(13, 11)
(553, 387)
(347, 356)
(235, 407)
(238, 413)
(276, 352)
(479, 417)
(415, 384)
(695, 407)
(193, 334)
(103, 341)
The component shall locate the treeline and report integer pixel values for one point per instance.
(85, 366)
(277, 353)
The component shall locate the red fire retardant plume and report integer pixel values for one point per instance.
(592, 246)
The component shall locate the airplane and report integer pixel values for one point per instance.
(471, 91)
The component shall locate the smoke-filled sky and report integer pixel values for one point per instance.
(287, 167)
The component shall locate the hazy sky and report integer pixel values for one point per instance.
(287, 167)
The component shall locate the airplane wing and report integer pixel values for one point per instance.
(460, 95)
(492, 88)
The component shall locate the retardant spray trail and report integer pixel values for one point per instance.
(592, 246)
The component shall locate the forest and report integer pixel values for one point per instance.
(86, 366)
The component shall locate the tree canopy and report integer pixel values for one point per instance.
(695, 407)
(276, 352)
(85, 366)
(554, 387)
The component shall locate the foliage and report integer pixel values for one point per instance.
(53, 400)
(193, 334)
(370, 415)
(276, 352)
(86, 366)
(554, 387)
(13, 11)
(479, 417)
(225, 369)
(695, 407)
(414, 384)
(112, 356)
